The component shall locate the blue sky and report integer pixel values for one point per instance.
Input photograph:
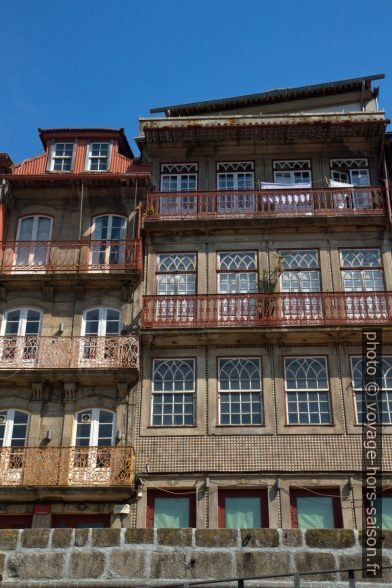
(96, 63)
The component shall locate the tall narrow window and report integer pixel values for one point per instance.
(62, 156)
(100, 345)
(307, 391)
(362, 272)
(178, 177)
(13, 434)
(240, 400)
(98, 156)
(383, 402)
(176, 279)
(237, 275)
(32, 247)
(235, 181)
(301, 273)
(173, 392)
(108, 236)
(20, 330)
(95, 429)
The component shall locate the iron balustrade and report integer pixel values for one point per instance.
(67, 466)
(265, 203)
(43, 352)
(71, 256)
(263, 310)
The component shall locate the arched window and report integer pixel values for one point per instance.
(101, 321)
(240, 391)
(13, 428)
(307, 387)
(32, 248)
(95, 427)
(173, 392)
(20, 330)
(22, 322)
(108, 229)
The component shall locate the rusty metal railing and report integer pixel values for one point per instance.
(265, 203)
(70, 256)
(277, 309)
(42, 352)
(67, 466)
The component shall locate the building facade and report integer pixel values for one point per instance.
(198, 311)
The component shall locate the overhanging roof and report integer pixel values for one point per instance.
(279, 95)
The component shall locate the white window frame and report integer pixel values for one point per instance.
(94, 426)
(173, 392)
(240, 391)
(179, 170)
(54, 157)
(102, 320)
(90, 157)
(9, 426)
(22, 321)
(236, 169)
(359, 390)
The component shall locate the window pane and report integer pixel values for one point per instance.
(171, 513)
(242, 512)
(315, 512)
(386, 512)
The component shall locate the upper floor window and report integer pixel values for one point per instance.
(362, 270)
(95, 427)
(351, 171)
(237, 272)
(235, 175)
(29, 254)
(13, 428)
(292, 171)
(383, 401)
(98, 156)
(101, 321)
(173, 392)
(106, 229)
(176, 273)
(62, 156)
(307, 390)
(301, 270)
(22, 322)
(178, 177)
(240, 391)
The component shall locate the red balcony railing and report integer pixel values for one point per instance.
(248, 310)
(70, 256)
(265, 203)
(67, 466)
(36, 352)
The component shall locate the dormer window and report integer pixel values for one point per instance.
(98, 156)
(62, 157)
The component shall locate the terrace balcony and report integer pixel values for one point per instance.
(34, 352)
(67, 466)
(267, 310)
(83, 259)
(264, 204)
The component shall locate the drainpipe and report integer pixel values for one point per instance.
(134, 210)
(387, 192)
(81, 211)
(3, 208)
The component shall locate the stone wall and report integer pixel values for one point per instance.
(140, 557)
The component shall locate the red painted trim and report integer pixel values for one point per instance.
(153, 494)
(42, 509)
(223, 494)
(336, 504)
(16, 521)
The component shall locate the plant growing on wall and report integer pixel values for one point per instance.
(267, 285)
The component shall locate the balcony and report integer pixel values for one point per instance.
(67, 466)
(259, 204)
(267, 310)
(55, 257)
(36, 352)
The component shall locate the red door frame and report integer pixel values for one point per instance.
(336, 504)
(153, 494)
(223, 494)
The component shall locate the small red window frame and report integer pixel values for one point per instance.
(71, 520)
(336, 504)
(153, 494)
(223, 494)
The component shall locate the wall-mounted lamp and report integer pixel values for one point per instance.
(207, 482)
(119, 436)
(351, 482)
(48, 435)
(61, 328)
(278, 484)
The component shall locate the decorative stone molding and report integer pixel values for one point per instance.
(69, 391)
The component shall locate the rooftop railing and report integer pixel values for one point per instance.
(67, 466)
(40, 352)
(70, 256)
(265, 203)
(263, 310)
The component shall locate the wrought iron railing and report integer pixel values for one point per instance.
(70, 256)
(67, 466)
(265, 203)
(279, 309)
(36, 352)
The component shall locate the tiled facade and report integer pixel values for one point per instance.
(224, 344)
